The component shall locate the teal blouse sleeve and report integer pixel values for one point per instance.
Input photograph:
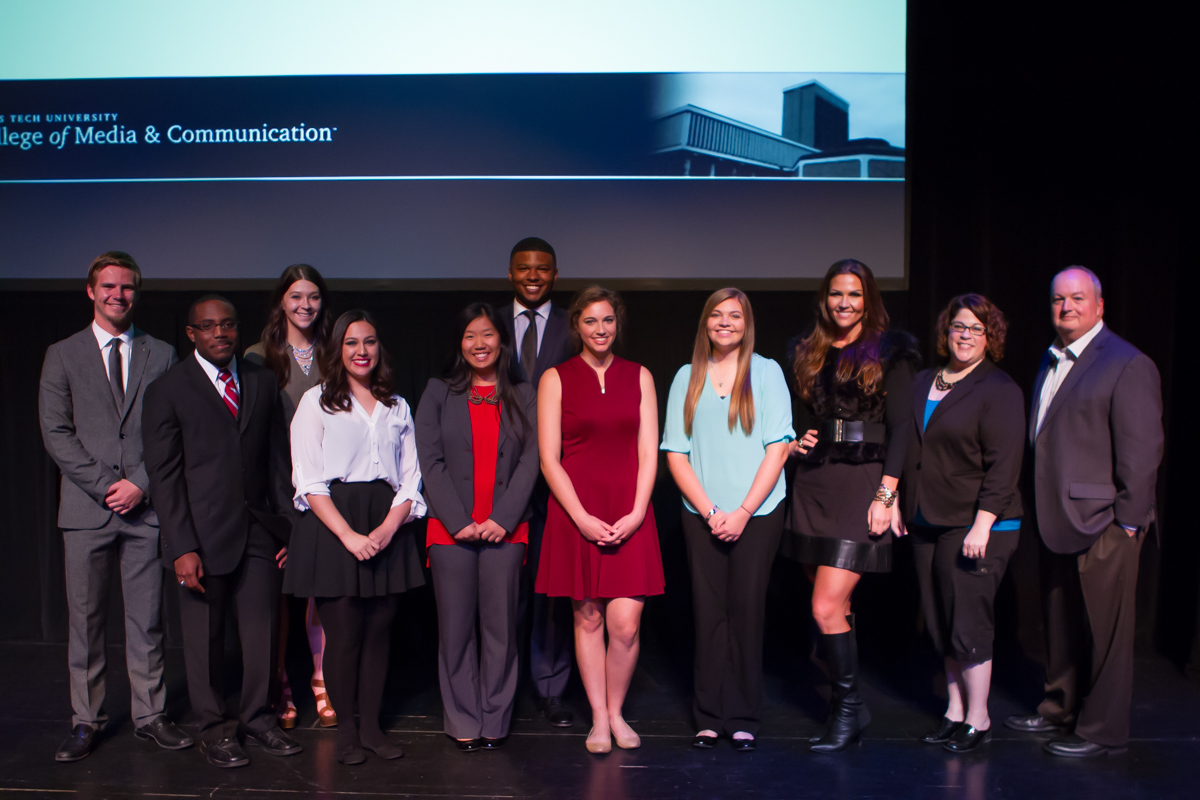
(776, 407)
(674, 439)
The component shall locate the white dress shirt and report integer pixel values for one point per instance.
(212, 370)
(521, 324)
(104, 339)
(1064, 359)
(355, 447)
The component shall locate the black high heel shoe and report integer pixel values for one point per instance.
(944, 731)
(967, 738)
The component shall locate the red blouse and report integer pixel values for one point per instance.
(485, 444)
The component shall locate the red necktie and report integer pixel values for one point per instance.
(230, 395)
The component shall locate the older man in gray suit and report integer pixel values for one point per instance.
(90, 405)
(1096, 436)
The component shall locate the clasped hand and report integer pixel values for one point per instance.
(605, 535)
(728, 525)
(123, 497)
(369, 546)
(488, 531)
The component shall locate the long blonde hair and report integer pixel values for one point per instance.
(741, 403)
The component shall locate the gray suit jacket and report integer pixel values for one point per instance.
(94, 443)
(444, 448)
(1096, 458)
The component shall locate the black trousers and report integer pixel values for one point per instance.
(548, 620)
(1089, 601)
(357, 643)
(729, 596)
(958, 594)
(251, 592)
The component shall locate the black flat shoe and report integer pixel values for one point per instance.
(493, 744)
(351, 756)
(704, 742)
(163, 732)
(945, 730)
(1077, 747)
(1032, 723)
(385, 750)
(469, 746)
(744, 745)
(79, 744)
(224, 753)
(555, 712)
(275, 742)
(967, 738)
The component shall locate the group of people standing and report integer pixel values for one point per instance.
(294, 469)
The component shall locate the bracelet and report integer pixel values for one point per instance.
(886, 496)
(748, 511)
(709, 515)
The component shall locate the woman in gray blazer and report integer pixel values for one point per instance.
(477, 445)
(959, 463)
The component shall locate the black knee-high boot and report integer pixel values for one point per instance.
(848, 715)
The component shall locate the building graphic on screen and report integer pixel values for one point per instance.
(815, 143)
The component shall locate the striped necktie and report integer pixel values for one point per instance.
(230, 393)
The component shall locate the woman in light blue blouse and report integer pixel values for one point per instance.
(729, 425)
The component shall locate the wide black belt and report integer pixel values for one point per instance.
(846, 430)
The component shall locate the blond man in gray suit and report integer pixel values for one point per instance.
(90, 405)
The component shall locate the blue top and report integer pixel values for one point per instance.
(919, 519)
(726, 461)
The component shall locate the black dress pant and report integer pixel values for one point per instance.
(958, 594)
(251, 592)
(548, 620)
(729, 596)
(1089, 600)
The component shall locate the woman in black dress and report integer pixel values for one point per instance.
(855, 378)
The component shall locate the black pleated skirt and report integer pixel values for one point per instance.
(318, 565)
(827, 525)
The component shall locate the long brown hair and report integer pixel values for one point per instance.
(860, 360)
(741, 402)
(335, 390)
(274, 336)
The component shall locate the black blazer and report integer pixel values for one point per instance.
(211, 474)
(444, 448)
(1095, 460)
(968, 458)
(557, 344)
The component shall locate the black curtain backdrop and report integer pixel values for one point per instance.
(1036, 140)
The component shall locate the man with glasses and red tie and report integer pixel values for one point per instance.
(90, 407)
(217, 455)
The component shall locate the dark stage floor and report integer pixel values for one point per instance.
(543, 762)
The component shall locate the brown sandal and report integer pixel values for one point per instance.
(326, 717)
(287, 719)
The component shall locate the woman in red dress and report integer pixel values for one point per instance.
(598, 439)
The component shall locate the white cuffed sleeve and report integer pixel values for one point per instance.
(407, 468)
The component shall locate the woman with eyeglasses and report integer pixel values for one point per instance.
(958, 459)
(477, 443)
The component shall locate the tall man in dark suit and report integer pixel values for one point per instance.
(90, 404)
(1095, 431)
(217, 456)
(540, 335)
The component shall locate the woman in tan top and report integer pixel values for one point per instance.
(297, 328)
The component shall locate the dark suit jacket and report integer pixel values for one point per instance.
(1096, 457)
(444, 448)
(968, 458)
(211, 475)
(94, 442)
(557, 344)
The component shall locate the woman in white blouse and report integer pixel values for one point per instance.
(354, 466)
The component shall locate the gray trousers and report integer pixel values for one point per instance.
(90, 556)
(478, 680)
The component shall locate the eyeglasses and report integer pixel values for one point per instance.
(208, 326)
(975, 330)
